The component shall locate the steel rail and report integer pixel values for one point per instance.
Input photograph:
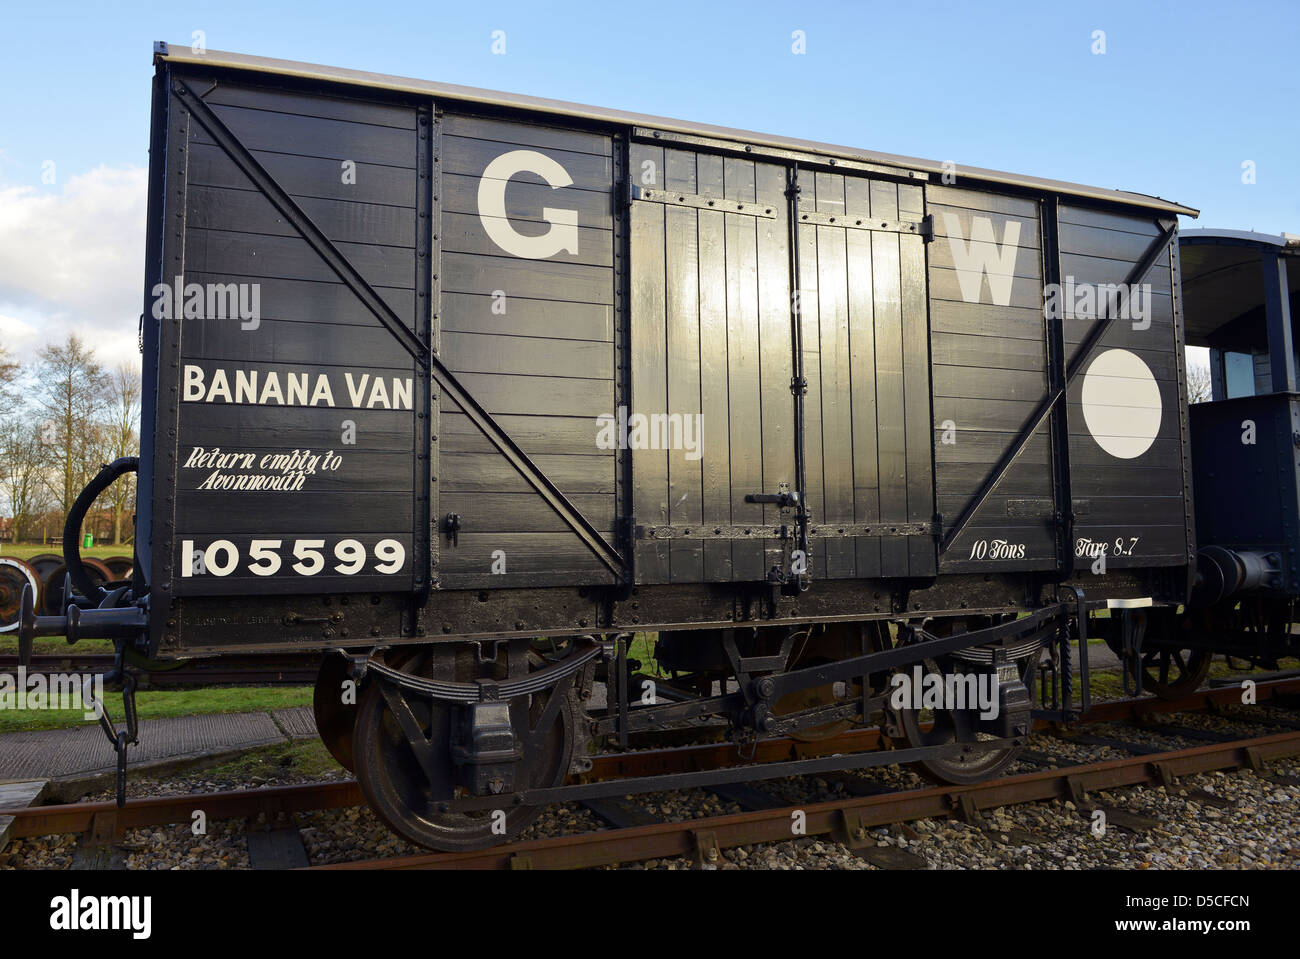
(105, 819)
(848, 819)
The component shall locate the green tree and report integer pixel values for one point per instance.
(70, 389)
(123, 436)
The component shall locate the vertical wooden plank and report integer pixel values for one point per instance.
(830, 193)
(922, 551)
(646, 165)
(685, 473)
(776, 364)
(810, 322)
(714, 407)
(911, 201)
(649, 373)
(862, 362)
(837, 429)
(891, 415)
(744, 399)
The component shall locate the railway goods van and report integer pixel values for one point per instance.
(1243, 291)
(473, 391)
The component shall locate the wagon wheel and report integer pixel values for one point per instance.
(44, 564)
(1170, 669)
(408, 799)
(119, 567)
(335, 718)
(947, 726)
(14, 575)
(955, 726)
(54, 603)
(1174, 673)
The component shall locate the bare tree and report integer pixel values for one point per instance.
(70, 391)
(1198, 384)
(9, 371)
(22, 473)
(123, 437)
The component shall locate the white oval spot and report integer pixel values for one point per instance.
(1121, 404)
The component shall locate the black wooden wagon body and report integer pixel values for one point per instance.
(521, 367)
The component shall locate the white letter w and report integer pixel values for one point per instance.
(983, 255)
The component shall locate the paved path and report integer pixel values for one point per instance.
(1099, 657)
(85, 751)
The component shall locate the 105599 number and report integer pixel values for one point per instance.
(307, 557)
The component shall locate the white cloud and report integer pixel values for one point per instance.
(73, 261)
(18, 336)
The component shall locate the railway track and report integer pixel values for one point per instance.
(848, 820)
(631, 838)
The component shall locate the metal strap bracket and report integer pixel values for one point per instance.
(757, 150)
(760, 531)
(700, 201)
(862, 222)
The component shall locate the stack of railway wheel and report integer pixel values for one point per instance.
(52, 596)
(1153, 769)
(46, 573)
(15, 574)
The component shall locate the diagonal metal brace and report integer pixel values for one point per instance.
(1081, 357)
(422, 353)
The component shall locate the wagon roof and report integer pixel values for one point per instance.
(1223, 285)
(182, 53)
(1287, 244)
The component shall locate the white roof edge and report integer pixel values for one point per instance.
(1280, 240)
(218, 58)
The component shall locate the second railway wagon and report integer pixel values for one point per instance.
(471, 387)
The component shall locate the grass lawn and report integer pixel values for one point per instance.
(306, 757)
(28, 550)
(1110, 684)
(55, 646)
(164, 703)
(642, 649)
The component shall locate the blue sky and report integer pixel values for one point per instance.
(1183, 96)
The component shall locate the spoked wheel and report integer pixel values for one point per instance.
(942, 727)
(409, 796)
(1170, 670)
(1175, 673)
